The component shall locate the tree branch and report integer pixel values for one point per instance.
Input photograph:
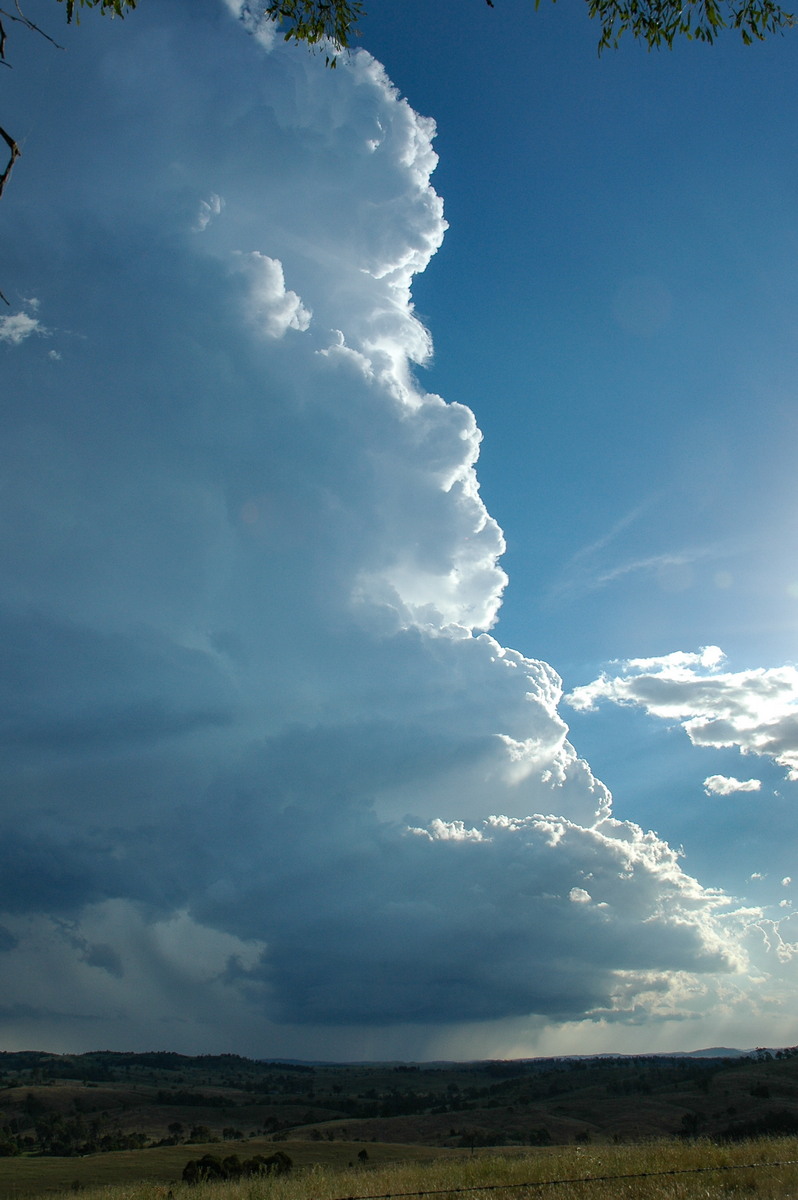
(21, 19)
(13, 154)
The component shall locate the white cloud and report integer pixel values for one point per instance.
(725, 785)
(265, 32)
(208, 209)
(673, 665)
(755, 710)
(269, 306)
(449, 831)
(16, 327)
(246, 578)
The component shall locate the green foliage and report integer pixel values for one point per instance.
(656, 22)
(113, 8)
(659, 22)
(314, 21)
(200, 1170)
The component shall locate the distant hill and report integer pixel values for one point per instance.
(68, 1105)
(719, 1052)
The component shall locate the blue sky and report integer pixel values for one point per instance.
(638, 214)
(292, 769)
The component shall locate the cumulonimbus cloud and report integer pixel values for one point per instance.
(251, 701)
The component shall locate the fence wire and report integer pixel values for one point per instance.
(542, 1183)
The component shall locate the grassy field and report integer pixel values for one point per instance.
(664, 1170)
(39, 1176)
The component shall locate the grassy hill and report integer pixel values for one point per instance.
(85, 1118)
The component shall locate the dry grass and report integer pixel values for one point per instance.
(45, 1176)
(718, 1173)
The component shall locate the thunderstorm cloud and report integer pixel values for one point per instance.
(266, 766)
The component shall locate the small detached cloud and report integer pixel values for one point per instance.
(755, 710)
(16, 327)
(725, 785)
(208, 209)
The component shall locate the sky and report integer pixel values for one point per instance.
(398, 585)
